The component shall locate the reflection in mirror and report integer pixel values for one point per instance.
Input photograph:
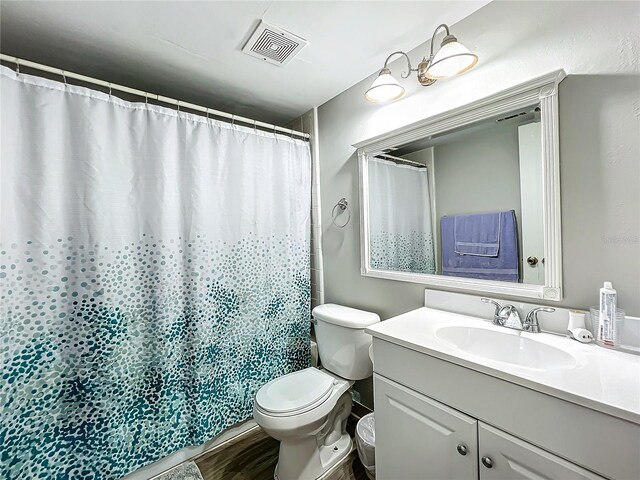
(465, 203)
(401, 230)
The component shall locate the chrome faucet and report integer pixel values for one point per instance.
(505, 316)
(531, 323)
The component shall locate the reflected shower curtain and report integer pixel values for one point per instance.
(155, 273)
(401, 237)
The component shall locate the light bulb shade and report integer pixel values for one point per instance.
(384, 88)
(452, 59)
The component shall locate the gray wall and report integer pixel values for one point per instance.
(476, 173)
(597, 44)
(600, 187)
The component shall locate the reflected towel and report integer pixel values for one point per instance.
(504, 267)
(477, 235)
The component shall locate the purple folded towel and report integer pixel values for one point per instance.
(504, 266)
(477, 234)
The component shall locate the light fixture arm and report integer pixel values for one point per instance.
(433, 38)
(399, 52)
(423, 66)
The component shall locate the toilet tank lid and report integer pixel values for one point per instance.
(344, 316)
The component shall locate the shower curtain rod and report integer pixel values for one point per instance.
(399, 159)
(172, 101)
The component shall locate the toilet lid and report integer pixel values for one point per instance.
(295, 391)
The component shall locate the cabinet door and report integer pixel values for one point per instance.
(419, 438)
(504, 457)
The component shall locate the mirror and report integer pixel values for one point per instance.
(463, 200)
(464, 203)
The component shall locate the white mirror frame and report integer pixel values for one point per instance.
(543, 90)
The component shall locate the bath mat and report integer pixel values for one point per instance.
(185, 471)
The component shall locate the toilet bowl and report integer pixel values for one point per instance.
(309, 420)
(307, 411)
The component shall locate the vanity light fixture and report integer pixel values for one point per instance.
(452, 59)
(385, 87)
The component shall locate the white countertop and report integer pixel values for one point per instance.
(602, 379)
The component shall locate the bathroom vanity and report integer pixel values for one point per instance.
(457, 397)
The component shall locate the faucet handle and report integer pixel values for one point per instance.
(540, 309)
(493, 302)
(531, 323)
(496, 314)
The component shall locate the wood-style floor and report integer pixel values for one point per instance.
(254, 456)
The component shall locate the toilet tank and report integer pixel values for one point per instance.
(342, 344)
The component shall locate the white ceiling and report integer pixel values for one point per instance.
(192, 50)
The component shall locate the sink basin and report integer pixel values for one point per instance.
(507, 347)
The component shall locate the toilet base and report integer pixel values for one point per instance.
(305, 460)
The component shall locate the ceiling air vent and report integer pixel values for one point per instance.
(273, 44)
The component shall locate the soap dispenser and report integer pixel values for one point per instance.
(577, 328)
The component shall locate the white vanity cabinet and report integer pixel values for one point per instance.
(420, 438)
(548, 408)
(415, 434)
(505, 457)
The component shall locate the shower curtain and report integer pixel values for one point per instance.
(155, 273)
(400, 230)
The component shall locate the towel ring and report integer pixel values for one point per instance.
(342, 205)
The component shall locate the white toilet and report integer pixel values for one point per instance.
(308, 410)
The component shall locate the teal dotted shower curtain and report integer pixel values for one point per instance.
(154, 274)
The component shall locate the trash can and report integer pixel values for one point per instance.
(366, 443)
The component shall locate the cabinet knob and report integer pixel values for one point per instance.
(462, 449)
(487, 462)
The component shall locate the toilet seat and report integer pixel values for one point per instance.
(295, 393)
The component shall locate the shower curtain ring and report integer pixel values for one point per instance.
(178, 104)
(255, 126)
(233, 121)
(17, 66)
(64, 77)
(342, 205)
(146, 98)
(109, 90)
